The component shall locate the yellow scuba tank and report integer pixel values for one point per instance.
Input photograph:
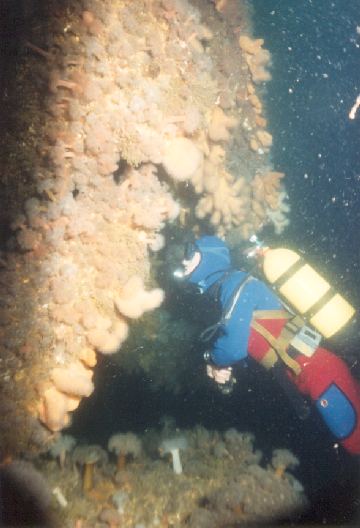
(306, 291)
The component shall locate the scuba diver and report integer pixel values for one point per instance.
(256, 322)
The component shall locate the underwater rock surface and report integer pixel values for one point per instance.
(133, 116)
(224, 482)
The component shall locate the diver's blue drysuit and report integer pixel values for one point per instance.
(231, 344)
(253, 322)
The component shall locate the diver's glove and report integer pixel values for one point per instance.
(223, 376)
(227, 387)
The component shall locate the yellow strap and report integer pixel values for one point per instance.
(269, 360)
(271, 314)
(279, 344)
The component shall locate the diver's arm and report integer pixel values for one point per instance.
(232, 345)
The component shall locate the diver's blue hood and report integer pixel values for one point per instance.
(215, 260)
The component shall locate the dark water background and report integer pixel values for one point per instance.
(315, 51)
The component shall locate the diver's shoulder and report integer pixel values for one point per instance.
(238, 276)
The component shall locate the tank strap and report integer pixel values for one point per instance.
(280, 344)
(269, 359)
(272, 314)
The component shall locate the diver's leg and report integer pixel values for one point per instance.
(327, 380)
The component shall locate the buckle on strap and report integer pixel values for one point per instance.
(306, 341)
